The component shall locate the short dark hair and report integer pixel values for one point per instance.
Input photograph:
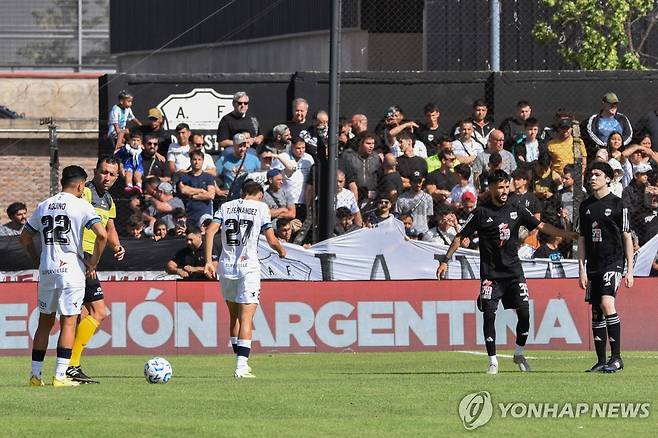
(531, 122)
(446, 153)
(109, 159)
(522, 104)
(72, 175)
(178, 213)
(569, 168)
(136, 134)
(343, 212)
(14, 208)
(520, 173)
(196, 152)
(479, 102)
(463, 170)
(405, 135)
(365, 135)
(251, 188)
(495, 159)
(151, 180)
(298, 140)
(148, 137)
(465, 121)
(182, 126)
(282, 222)
(123, 94)
(430, 108)
(497, 176)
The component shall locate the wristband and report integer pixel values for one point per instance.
(445, 259)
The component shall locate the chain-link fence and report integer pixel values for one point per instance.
(69, 34)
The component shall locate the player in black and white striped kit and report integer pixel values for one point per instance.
(604, 231)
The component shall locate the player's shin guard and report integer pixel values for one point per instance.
(599, 333)
(244, 348)
(63, 359)
(614, 334)
(83, 334)
(489, 329)
(522, 325)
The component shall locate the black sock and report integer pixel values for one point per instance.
(235, 348)
(38, 355)
(522, 325)
(489, 329)
(599, 333)
(614, 334)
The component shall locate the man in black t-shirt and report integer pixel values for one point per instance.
(238, 121)
(604, 231)
(189, 262)
(497, 223)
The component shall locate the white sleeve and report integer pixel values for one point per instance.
(34, 222)
(91, 215)
(129, 115)
(218, 216)
(265, 218)
(114, 115)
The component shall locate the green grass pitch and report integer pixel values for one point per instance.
(339, 394)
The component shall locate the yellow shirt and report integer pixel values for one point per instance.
(104, 206)
(561, 153)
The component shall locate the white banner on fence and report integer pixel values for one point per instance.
(382, 253)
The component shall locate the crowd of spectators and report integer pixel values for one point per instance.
(425, 174)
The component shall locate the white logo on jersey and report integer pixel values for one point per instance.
(607, 212)
(587, 212)
(489, 220)
(513, 215)
(504, 233)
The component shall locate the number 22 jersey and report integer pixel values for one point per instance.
(241, 222)
(60, 220)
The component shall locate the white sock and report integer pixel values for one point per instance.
(36, 368)
(60, 369)
(242, 360)
(518, 351)
(493, 360)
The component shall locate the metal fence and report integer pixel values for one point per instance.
(62, 34)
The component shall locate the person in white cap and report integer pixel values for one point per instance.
(633, 195)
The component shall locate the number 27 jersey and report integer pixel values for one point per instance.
(241, 222)
(60, 220)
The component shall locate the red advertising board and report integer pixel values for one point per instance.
(161, 317)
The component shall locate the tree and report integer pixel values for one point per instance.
(600, 34)
(63, 17)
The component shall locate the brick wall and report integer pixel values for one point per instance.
(25, 168)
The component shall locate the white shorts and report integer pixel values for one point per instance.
(245, 290)
(65, 301)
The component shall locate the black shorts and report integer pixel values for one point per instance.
(513, 292)
(93, 290)
(602, 283)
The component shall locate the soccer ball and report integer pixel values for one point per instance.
(158, 370)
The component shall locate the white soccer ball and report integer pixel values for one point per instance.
(158, 370)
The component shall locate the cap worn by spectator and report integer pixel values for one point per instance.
(564, 122)
(416, 177)
(204, 219)
(610, 98)
(165, 187)
(239, 138)
(642, 168)
(468, 196)
(155, 113)
(273, 172)
(411, 232)
(616, 165)
(391, 110)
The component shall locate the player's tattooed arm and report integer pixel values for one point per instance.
(443, 266)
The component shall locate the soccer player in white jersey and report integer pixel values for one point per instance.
(241, 222)
(60, 221)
